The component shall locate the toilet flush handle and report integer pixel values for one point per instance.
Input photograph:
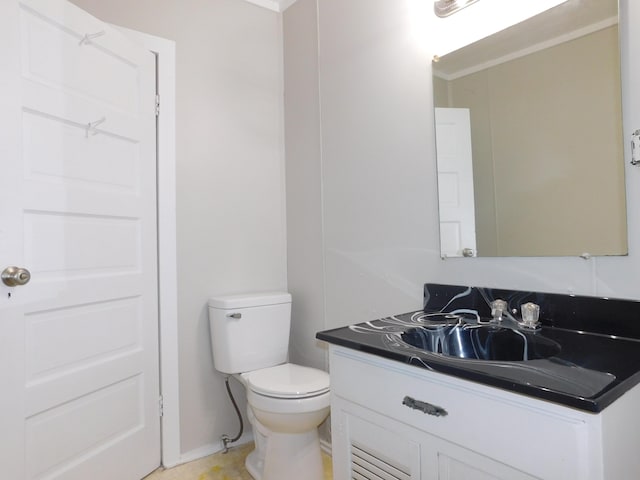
(234, 315)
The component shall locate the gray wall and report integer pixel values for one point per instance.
(231, 229)
(305, 240)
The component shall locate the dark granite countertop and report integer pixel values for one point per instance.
(598, 359)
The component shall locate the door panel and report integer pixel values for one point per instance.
(104, 329)
(80, 173)
(378, 447)
(104, 417)
(50, 52)
(455, 463)
(48, 237)
(108, 164)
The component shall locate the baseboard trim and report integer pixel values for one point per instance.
(210, 449)
(216, 447)
(325, 446)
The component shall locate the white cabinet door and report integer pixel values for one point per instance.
(452, 462)
(368, 446)
(79, 342)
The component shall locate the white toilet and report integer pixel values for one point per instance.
(286, 402)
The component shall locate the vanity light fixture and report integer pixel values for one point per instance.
(444, 8)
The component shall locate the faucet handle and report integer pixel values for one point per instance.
(530, 314)
(498, 307)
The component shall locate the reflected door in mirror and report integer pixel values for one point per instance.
(455, 182)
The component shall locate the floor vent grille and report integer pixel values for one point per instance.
(366, 465)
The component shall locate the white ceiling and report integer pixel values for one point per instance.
(275, 5)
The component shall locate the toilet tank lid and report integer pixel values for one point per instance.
(244, 300)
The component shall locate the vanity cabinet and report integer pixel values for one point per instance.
(381, 447)
(482, 433)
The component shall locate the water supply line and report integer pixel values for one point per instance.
(226, 440)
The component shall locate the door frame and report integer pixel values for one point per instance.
(164, 50)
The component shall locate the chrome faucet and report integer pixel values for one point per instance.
(530, 314)
(498, 307)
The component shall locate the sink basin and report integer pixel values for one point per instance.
(481, 342)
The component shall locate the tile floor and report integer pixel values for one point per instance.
(229, 466)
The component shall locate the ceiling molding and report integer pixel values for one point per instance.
(274, 5)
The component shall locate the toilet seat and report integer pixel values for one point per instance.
(288, 381)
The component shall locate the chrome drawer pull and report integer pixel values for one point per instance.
(424, 407)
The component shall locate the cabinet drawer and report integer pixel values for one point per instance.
(545, 440)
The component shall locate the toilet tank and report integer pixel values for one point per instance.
(249, 331)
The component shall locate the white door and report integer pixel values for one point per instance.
(455, 182)
(79, 342)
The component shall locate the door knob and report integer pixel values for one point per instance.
(15, 276)
(467, 252)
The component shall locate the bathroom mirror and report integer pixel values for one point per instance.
(529, 138)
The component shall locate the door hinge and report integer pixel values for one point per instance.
(157, 105)
(160, 406)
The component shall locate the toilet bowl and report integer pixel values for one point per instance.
(285, 402)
